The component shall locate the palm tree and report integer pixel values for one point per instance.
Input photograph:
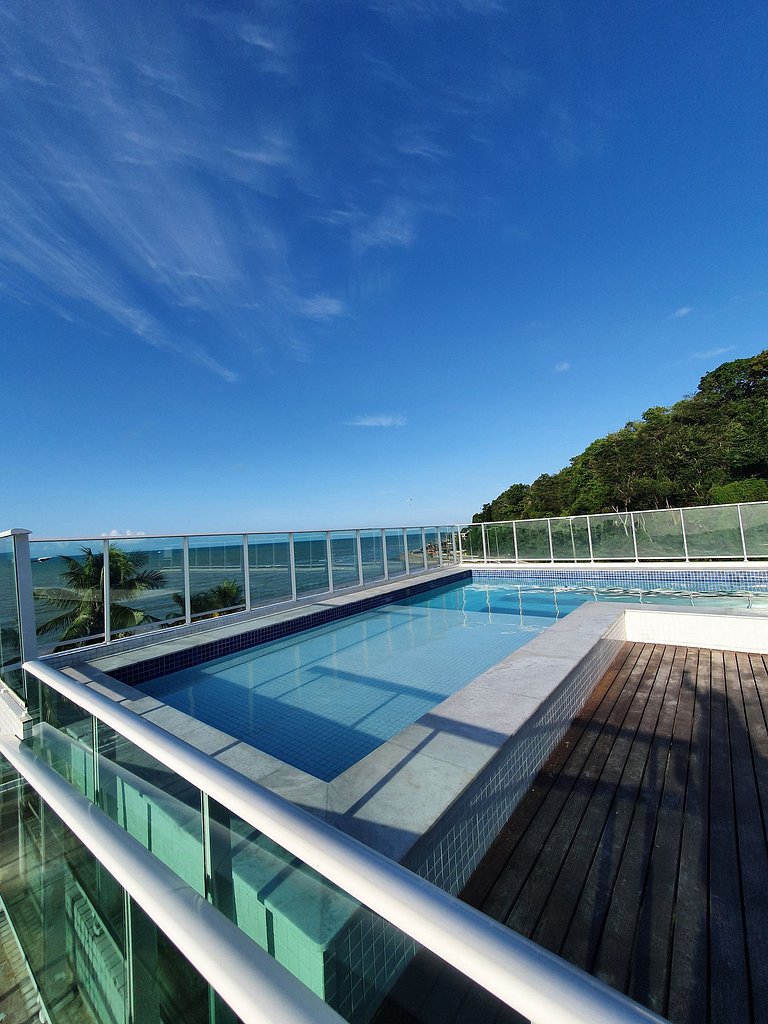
(81, 599)
(225, 595)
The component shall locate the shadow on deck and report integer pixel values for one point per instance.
(640, 852)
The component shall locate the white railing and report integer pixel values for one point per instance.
(736, 533)
(533, 981)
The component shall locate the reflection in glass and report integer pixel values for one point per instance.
(612, 536)
(432, 547)
(395, 552)
(659, 534)
(754, 519)
(10, 646)
(269, 568)
(500, 542)
(344, 559)
(373, 556)
(216, 575)
(415, 550)
(532, 540)
(713, 532)
(311, 556)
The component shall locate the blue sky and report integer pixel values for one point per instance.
(328, 264)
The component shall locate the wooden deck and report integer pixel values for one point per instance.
(640, 852)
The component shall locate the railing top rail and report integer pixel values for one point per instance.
(537, 983)
(254, 985)
(100, 538)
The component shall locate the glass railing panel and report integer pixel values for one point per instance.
(659, 534)
(63, 738)
(532, 540)
(311, 557)
(612, 536)
(152, 803)
(713, 532)
(415, 550)
(754, 519)
(373, 555)
(570, 540)
(269, 568)
(471, 543)
(450, 551)
(432, 547)
(10, 646)
(341, 950)
(146, 589)
(69, 599)
(395, 552)
(500, 542)
(65, 908)
(216, 575)
(344, 559)
(93, 951)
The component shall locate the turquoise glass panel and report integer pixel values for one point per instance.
(395, 552)
(10, 649)
(311, 557)
(659, 534)
(216, 575)
(532, 540)
(373, 556)
(269, 568)
(324, 937)
(713, 532)
(415, 550)
(612, 536)
(754, 519)
(500, 542)
(344, 559)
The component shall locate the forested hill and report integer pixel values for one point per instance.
(708, 448)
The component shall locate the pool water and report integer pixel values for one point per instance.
(323, 699)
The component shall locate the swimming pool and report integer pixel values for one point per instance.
(323, 699)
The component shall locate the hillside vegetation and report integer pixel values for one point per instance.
(709, 448)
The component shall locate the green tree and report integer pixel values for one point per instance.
(80, 602)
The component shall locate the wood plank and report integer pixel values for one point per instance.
(753, 854)
(729, 996)
(586, 832)
(688, 999)
(652, 948)
(528, 878)
(602, 698)
(628, 839)
(583, 937)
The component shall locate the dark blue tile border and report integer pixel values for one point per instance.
(142, 671)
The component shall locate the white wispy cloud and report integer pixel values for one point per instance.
(322, 307)
(394, 225)
(376, 421)
(125, 533)
(710, 353)
(561, 367)
(681, 312)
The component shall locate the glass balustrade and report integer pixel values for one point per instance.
(269, 568)
(10, 628)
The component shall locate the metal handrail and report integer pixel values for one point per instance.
(530, 979)
(248, 979)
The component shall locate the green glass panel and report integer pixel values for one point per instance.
(433, 547)
(373, 556)
(269, 568)
(311, 556)
(68, 595)
(659, 534)
(713, 532)
(344, 560)
(415, 550)
(471, 543)
(153, 804)
(331, 943)
(395, 552)
(500, 542)
(754, 518)
(532, 540)
(10, 648)
(612, 536)
(216, 575)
